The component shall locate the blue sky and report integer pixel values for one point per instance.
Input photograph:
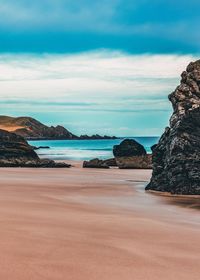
(95, 66)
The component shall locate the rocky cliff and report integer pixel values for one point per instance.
(16, 152)
(176, 158)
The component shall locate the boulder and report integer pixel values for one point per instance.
(130, 154)
(128, 148)
(16, 152)
(176, 157)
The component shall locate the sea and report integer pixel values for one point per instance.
(85, 149)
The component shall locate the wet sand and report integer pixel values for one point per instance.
(94, 224)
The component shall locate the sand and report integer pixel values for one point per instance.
(94, 224)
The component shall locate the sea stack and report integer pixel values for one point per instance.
(176, 158)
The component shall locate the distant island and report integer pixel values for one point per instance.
(32, 129)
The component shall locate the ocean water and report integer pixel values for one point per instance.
(85, 149)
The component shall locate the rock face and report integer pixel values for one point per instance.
(130, 154)
(16, 152)
(176, 158)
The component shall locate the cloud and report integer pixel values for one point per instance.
(102, 85)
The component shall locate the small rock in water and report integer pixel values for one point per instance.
(41, 147)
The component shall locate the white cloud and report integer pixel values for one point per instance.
(102, 81)
(90, 76)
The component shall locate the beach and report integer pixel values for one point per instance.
(96, 224)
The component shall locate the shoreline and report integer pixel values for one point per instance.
(79, 163)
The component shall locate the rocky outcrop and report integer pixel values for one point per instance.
(98, 163)
(32, 129)
(95, 163)
(16, 152)
(176, 158)
(130, 154)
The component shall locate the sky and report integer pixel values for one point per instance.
(102, 67)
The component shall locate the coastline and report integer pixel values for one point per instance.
(93, 224)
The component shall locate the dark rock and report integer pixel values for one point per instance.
(47, 163)
(135, 162)
(13, 146)
(41, 147)
(16, 152)
(176, 158)
(95, 163)
(110, 162)
(128, 148)
(130, 154)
